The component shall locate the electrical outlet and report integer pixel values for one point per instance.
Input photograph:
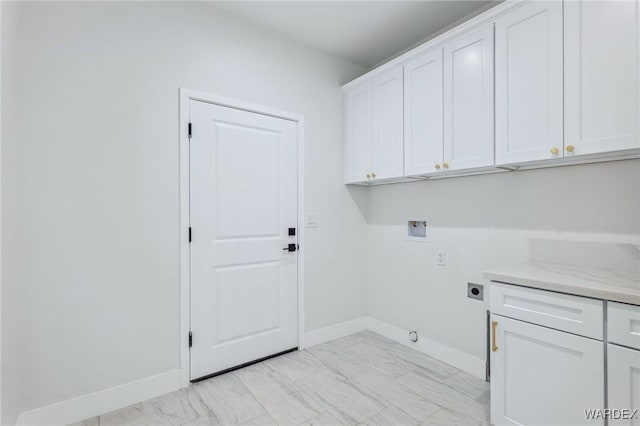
(441, 258)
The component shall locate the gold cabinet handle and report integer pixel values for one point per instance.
(494, 347)
(570, 148)
(437, 166)
(368, 176)
(554, 151)
(446, 165)
(373, 175)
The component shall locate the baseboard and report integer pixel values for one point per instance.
(461, 360)
(336, 331)
(94, 404)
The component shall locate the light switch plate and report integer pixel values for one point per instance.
(313, 220)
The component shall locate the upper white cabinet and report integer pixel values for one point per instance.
(468, 100)
(602, 49)
(388, 157)
(423, 143)
(529, 83)
(359, 132)
(374, 129)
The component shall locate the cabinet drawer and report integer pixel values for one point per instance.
(574, 314)
(623, 324)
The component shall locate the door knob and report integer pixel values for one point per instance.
(554, 151)
(291, 247)
(373, 175)
(368, 176)
(570, 149)
(437, 166)
(446, 165)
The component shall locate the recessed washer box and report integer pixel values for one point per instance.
(418, 230)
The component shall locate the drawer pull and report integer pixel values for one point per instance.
(494, 347)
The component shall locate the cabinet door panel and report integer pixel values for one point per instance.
(623, 375)
(388, 150)
(602, 77)
(541, 376)
(529, 83)
(423, 145)
(468, 100)
(359, 132)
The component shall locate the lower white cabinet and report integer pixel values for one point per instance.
(541, 376)
(552, 363)
(623, 374)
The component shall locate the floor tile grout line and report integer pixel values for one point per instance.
(255, 398)
(265, 408)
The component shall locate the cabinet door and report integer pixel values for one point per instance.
(541, 376)
(623, 375)
(468, 100)
(529, 83)
(359, 133)
(423, 145)
(388, 149)
(602, 78)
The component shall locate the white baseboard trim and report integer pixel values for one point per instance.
(461, 360)
(97, 403)
(94, 404)
(454, 357)
(336, 331)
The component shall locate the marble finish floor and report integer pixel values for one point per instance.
(362, 379)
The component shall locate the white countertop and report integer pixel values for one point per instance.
(581, 281)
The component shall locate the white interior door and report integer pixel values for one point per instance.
(243, 195)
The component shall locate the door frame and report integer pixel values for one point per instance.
(187, 95)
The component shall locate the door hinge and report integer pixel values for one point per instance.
(190, 130)
(189, 234)
(190, 339)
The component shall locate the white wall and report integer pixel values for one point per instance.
(10, 353)
(483, 222)
(93, 181)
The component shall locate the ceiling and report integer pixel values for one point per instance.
(363, 32)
